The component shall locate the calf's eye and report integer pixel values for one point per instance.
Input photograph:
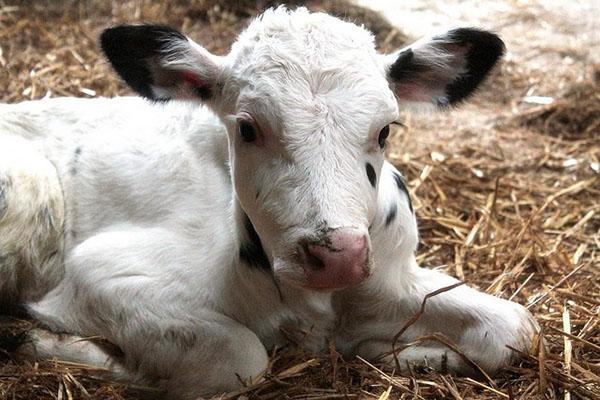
(383, 135)
(247, 131)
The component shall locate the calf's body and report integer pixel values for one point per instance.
(182, 251)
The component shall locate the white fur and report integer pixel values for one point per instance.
(31, 222)
(154, 193)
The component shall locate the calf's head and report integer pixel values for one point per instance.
(307, 102)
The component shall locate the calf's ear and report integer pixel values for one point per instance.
(160, 63)
(445, 69)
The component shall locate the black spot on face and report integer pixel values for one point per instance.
(371, 174)
(402, 187)
(252, 252)
(391, 215)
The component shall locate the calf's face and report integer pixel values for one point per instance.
(305, 154)
(307, 102)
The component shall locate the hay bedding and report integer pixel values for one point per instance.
(506, 191)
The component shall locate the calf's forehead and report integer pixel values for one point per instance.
(299, 57)
(310, 37)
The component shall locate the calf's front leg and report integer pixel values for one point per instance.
(482, 327)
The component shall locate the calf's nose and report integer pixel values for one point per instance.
(339, 260)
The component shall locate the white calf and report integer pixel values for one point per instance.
(192, 232)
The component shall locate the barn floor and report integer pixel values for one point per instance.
(506, 188)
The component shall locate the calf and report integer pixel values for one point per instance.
(250, 192)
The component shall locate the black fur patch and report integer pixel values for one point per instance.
(252, 252)
(391, 215)
(371, 174)
(132, 49)
(485, 49)
(402, 187)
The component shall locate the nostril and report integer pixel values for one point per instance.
(313, 257)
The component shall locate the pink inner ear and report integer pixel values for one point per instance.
(412, 92)
(193, 80)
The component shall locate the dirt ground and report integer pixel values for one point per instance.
(506, 188)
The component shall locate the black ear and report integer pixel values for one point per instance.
(445, 69)
(159, 62)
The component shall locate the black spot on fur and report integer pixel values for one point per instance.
(75, 161)
(135, 52)
(484, 50)
(371, 174)
(391, 215)
(251, 251)
(402, 187)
